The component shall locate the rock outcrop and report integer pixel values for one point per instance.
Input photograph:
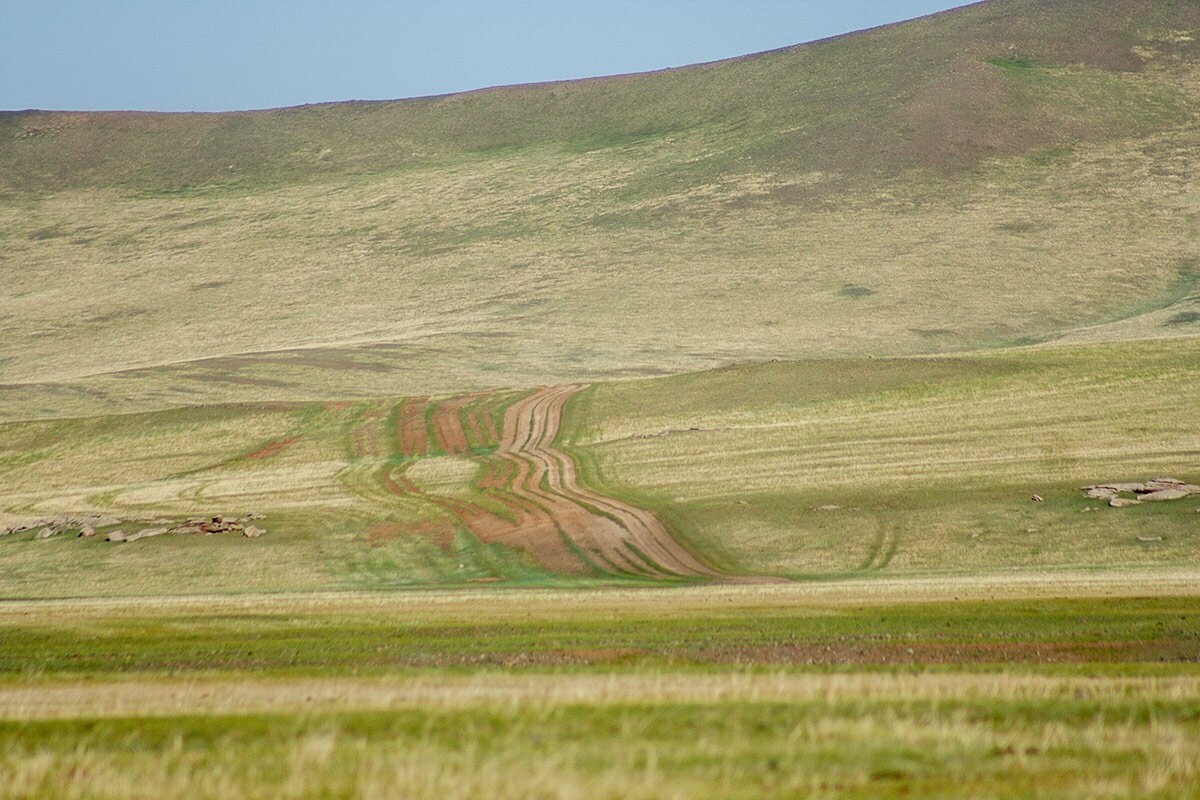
(1152, 491)
(87, 526)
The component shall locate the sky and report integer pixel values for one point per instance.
(220, 55)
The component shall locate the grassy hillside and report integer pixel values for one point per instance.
(999, 77)
(1009, 172)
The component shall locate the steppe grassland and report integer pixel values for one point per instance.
(932, 462)
(508, 268)
(1077, 736)
(154, 701)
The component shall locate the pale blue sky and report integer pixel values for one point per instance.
(211, 55)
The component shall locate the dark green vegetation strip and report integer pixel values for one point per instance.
(997, 632)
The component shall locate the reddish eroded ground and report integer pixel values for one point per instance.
(440, 531)
(410, 427)
(274, 448)
(565, 526)
(448, 425)
(364, 441)
(383, 532)
(610, 532)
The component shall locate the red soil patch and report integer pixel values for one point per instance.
(448, 425)
(366, 438)
(274, 448)
(410, 427)
(565, 526)
(440, 531)
(383, 532)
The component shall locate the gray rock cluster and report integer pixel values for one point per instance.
(1152, 491)
(86, 525)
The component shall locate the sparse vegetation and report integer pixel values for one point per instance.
(718, 212)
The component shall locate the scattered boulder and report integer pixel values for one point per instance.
(88, 526)
(220, 525)
(146, 533)
(252, 532)
(1154, 490)
(208, 526)
(1037, 498)
(1149, 538)
(827, 508)
(1165, 494)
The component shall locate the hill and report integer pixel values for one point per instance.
(815, 423)
(1010, 172)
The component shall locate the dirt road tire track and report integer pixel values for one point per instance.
(620, 533)
(565, 526)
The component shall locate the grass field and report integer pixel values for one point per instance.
(717, 432)
(735, 692)
(930, 462)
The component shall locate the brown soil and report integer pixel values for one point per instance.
(274, 448)
(365, 438)
(410, 427)
(364, 441)
(610, 532)
(448, 425)
(383, 532)
(565, 526)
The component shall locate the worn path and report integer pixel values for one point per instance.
(535, 500)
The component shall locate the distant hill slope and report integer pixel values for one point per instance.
(1008, 172)
(940, 91)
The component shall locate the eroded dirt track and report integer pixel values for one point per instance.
(611, 533)
(528, 493)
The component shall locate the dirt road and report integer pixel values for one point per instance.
(538, 503)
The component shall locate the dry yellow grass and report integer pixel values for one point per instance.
(498, 606)
(935, 468)
(167, 697)
(483, 273)
(735, 736)
(932, 463)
